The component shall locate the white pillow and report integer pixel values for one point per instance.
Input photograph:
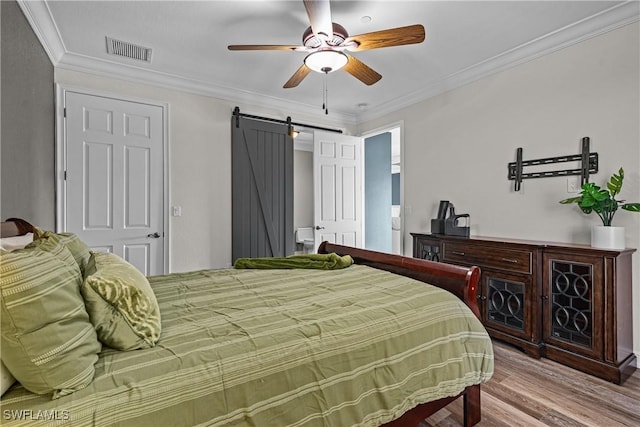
(17, 242)
(6, 379)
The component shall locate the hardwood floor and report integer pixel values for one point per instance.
(530, 392)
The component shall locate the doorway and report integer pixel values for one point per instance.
(303, 189)
(383, 185)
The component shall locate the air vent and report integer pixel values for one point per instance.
(128, 50)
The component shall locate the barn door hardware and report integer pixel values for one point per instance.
(237, 114)
(588, 165)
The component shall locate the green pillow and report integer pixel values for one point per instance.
(57, 248)
(121, 303)
(78, 249)
(48, 342)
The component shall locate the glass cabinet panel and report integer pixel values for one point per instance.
(505, 303)
(431, 252)
(572, 302)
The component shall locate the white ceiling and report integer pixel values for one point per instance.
(466, 40)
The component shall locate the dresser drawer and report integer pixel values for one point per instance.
(487, 256)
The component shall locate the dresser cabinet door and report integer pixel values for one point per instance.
(506, 303)
(573, 303)
(428, 249)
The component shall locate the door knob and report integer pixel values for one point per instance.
(319, 228)
(155, 235)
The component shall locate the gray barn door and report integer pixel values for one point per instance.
(262, 189)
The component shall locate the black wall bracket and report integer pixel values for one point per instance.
(588, 165)
(237, 114)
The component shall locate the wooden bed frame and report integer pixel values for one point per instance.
(462, 282)
(15, 227)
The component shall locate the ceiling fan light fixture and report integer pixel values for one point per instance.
(326, 61)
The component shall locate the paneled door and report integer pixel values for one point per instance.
(337, 178)
(114, 177)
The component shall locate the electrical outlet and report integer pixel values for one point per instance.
(573, 184)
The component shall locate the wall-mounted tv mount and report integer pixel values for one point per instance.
(588, 165)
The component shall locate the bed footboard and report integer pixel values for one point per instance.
(460, 281)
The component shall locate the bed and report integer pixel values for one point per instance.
(368, 345)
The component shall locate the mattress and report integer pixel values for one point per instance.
(351, 347)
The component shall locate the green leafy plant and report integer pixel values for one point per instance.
(602, 201)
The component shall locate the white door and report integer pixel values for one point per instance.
(337, 180)
(114, 186)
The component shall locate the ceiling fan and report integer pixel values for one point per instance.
(327, 42)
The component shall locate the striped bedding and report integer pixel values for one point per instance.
(351, 347)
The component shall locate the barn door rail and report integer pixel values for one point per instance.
(237, 114)
(588, 165)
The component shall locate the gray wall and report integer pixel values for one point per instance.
(377, 192)
(28, 131)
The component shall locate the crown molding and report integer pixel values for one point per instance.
(39, 17)
(41, 20)
(74, 62)
(610, 19)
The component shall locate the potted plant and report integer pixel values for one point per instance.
(603, 202)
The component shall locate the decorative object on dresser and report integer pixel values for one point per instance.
(451, 225)
(567, 302)
(603, 202)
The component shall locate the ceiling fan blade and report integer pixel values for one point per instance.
(263, 47)
(297, 77)
(361, 71)
(411, 34)
(319, 12)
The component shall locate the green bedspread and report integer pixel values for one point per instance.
(350, 347)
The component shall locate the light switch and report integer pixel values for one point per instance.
(176, 211)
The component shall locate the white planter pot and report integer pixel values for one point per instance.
(607, 237)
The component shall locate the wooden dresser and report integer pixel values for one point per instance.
(570, 303)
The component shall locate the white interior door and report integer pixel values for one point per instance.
(114, 177)
(337, 180)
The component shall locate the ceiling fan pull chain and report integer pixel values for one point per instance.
(324, 85)
(325, 104)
